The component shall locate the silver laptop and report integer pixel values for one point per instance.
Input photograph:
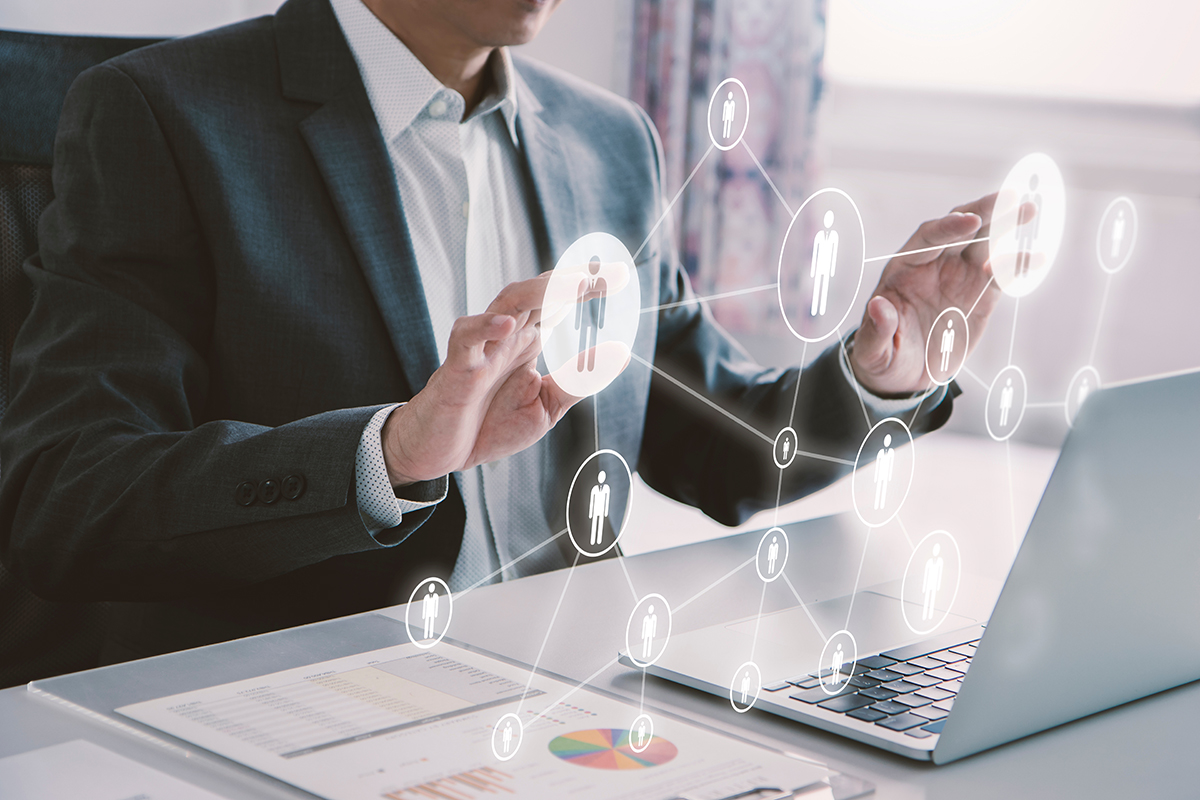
(1101, 606)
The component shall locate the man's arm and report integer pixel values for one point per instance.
(114, 486)
(703, 458)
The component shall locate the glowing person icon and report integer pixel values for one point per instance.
(885, 464)
(1027, 232)
(772, 554)
(787, 447)
(824, 265)
(947, 348)
(641, 732)
(1085, 388)
(649, 631)
(931, 583)
(746, 687)
(506, 738)
(598, 507)
(429, 610)
(592, 295)
(836, 664)
(1118, 233)
(1006, 402)
(728, 112)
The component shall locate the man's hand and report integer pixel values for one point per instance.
(486, 402)
(889, 349)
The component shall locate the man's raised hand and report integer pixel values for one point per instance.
(889, 349)
(486, 402)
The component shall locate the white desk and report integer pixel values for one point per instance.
(1145, 749)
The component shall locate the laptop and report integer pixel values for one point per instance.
(1101, 606)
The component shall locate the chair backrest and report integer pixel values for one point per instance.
(37, 638)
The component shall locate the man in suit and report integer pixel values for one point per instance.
(282, 364)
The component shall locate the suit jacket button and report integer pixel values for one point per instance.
(244, 493)
(293, 486)
(268, 491)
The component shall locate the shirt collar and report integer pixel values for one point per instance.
(398, 84)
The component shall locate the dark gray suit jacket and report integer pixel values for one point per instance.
(226, 293)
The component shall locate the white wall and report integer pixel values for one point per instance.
(1138, 51)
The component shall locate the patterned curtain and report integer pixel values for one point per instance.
(730, 224)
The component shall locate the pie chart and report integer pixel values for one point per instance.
(608, 748)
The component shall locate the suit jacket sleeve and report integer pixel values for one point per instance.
(115, 485)
(700, 456)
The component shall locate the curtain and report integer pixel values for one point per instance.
(729, 222)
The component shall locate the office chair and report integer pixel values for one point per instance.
(37, 638)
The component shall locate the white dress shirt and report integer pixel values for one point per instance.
(463, 193)
(462, 189)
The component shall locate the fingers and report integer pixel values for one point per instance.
(521, 298)
(874, 342)
(955, 227)
(470, 334)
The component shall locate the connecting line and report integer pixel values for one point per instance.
(716, 583)
(917, 410)
(857, 389)
(924, 250)
(976, 378)
(702, 399)
(674, 199)
(747, 426)
(857, 577)
(596, 417)
(1012, 341)
(1049, 404)
(778, 497)
(522, 557)
(758, 621)
(576, 688)
(758, 164)
(1100, 319)
(807, 613)
(721, 296)
(904, 530)
(987, 286)
(628, 580)
(799, 375)
(546, 638)
(642, 702)
(1012, 503)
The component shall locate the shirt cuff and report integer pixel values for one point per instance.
(378, 506)
(881, 406)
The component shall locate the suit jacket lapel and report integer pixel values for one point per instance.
(343, 135)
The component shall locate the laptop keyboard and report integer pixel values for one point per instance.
(909, 689)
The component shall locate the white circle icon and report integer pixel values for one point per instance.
(433, 605)
(881, 486)
(1085, 381)
(946, 346)
(728, 114)
(648, 630)
(1027, 225)
(931, 580)
(599, 502)
(590, 314)
(785, 447)
(641, 732)
(772, 554)
(506, 737)
(821, 265)
(1005, 405)
(1117, 235)
(838, 659)
(745, 687)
